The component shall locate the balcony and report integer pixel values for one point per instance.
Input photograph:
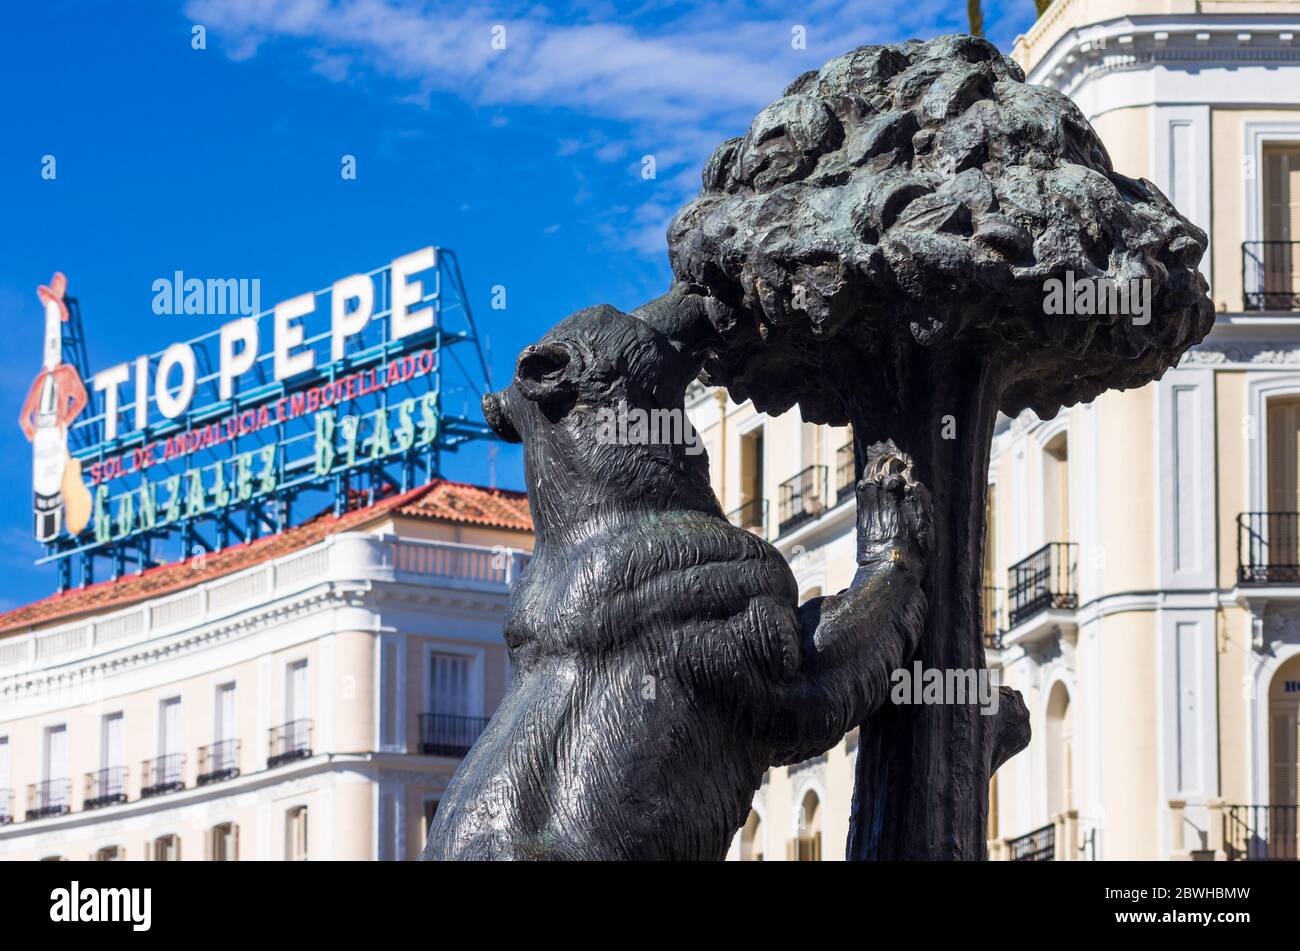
(1268, 548)
(6, 806)
(289, 741)
(1043, 581)
(105, 787)
(443, 734)
(801, 498)
(1036, 846)
(994, 627)
(1270, 275)
(218, 761)
(1260, 833)
(845, 483)
(752, 515)
(50, 798)
(162, 775)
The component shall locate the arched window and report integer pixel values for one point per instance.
(1284, 734)
(167, 848)
(1058, 744)
(809, 843)
(110, 853)
(223, 842)
(751, 839)
(295, 834)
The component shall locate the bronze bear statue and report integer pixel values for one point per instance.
(661, 660)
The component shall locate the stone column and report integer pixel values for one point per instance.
(1177, 831)
(1214, 828)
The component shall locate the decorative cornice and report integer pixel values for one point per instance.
(1176, 41)
(322, 597)
(1223, 353)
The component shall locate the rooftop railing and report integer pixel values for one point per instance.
(1260, 833)
(162, 775)
(52, 797)
(443, 734)
(801, 498)
(1043, 581)
(218, 761)
(1268, 548)
(1036, 846)
(751, 515)
(105, 787)
(289, 741)
(1270, 275)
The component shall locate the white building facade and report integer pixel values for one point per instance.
(1143, 551)
(305, 696)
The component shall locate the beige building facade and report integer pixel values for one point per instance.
(1143, 551)
(304, 696)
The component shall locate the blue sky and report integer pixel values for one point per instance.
(225, 162)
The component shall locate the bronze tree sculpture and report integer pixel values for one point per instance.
(876, 249)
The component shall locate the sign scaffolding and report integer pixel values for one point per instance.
(328, 400)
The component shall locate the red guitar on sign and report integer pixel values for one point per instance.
(56, 398)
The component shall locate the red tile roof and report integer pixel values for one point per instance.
(440, 500)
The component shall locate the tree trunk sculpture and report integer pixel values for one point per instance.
(880, 249)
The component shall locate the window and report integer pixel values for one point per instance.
(1284, 740)
(430, 810)
(167, 848)
(111, 853)
(112, 741)
(751, 480)
(296, 693)
(449, 685)
(751, 839)
(1281, 263)
(223, 716)
(56, 753)
(169, 726)
(295, 834)
(1059, 748)
(808, 846)
(167, 771)
(223, 842)
(1056, 490)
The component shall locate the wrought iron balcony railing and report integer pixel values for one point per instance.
(53, 797)
(6, 806)
(752, 515)
(162, 774)
(801, 498)
(105, 787)
(443, 734)
(289, 741)
(1268, 548)
(994, 626)
(1044, 580)
(1270, 275)
(218, 761)
(1260, 833)
(1036, 846)
(845, 483)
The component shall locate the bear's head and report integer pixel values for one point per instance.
(598, 403)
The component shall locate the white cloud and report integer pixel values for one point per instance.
(682, 80)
